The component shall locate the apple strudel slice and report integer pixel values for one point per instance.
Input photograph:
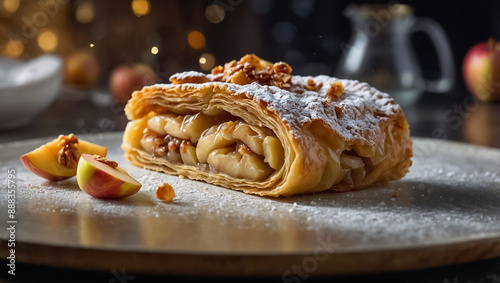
(252, 126)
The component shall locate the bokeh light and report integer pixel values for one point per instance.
(85, 12)
(141, 7)
(14, 48)
(154, 50)
(207, 61)
(215, 14)
(284, 32)
(47, 40)
(10, 6)
(91, 45)
(196, 40)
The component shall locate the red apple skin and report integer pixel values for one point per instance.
(27, 163)
(43, 161)
(101, 184)
(81, 69)
(127, 79)
(481, 70)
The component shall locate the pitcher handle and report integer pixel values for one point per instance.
(445, 56)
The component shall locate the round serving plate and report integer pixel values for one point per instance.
(445, 211)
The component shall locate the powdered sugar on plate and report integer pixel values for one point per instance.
(451, 195)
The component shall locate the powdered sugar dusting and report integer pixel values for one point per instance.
(188, 74)
(451, 195)
(362, 108)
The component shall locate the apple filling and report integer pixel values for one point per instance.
(225, 143)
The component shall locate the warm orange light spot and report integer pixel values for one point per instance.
(14, 48)
(85, 12)
(154, 50)
(206, 61)
(196, 40)
(47, 40)
(141, 7)
(10, 6)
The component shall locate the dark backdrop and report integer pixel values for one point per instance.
(319, 33)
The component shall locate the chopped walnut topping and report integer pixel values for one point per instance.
(165, 192)
(106, 161)
(312, 86)
(217, 70)
(68, 153)
(282, 67)
(334, 91)
(251, 69)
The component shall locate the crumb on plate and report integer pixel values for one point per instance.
(165, 192)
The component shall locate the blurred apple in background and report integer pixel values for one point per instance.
(481, 70)
(126, 79)
(81, 69)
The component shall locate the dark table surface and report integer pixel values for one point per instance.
(455, 116)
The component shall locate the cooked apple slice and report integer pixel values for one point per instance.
(102, 178)
(58, 159)
(273, 152)
(239, 164)
(188, 153)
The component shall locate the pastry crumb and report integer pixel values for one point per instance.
(165, 192)
(182, 176)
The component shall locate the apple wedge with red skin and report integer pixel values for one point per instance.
(43, 161)
(101, 180)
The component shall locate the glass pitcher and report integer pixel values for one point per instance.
(380, 52)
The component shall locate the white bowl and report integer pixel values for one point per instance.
(27, 88)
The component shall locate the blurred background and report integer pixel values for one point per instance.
(109, 48)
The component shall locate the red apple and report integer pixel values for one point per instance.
(481, 70)
(102, 178)
(126, 79)
(81, 69)
(44, 161)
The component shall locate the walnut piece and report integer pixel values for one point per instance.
(251, 69)
(68, 153)
(106, 161)
(165, 192)
(312, 86)
(334, 91)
